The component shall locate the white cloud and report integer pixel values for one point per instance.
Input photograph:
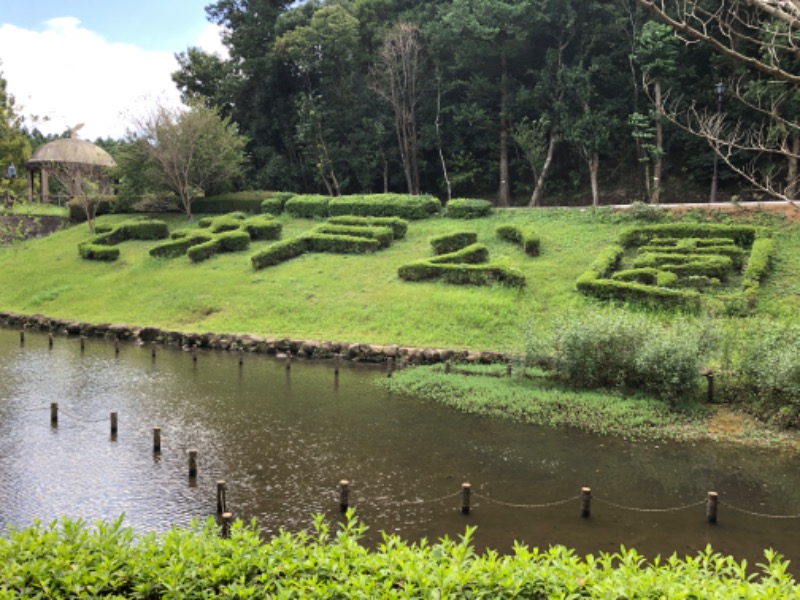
(210, 40)
(72, 75)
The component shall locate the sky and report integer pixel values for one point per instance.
(97, 62)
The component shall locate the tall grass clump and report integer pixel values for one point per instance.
(625, 350)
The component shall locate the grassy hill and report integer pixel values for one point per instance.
(355, 298)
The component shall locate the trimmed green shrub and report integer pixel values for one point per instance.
(527, 239)
(473, 254)
(626, 291)
(227, 222)
(308, 206)
(91, 251)
(274, 204)
(246, 201)
(279, 252)
(451, 242)
(340, 244)
(687, 264)
(733, 252)
(647, 276)
(204, 251)
(383, 235)
(178, 246)
(262, 227)
(233, 241)
(759, 261)
(399, 226)
(149, 229)
(462, 274)
(742, 235)
(385, 205)
(467, 208)
(78, 215)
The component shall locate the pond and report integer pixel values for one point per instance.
(284, 439)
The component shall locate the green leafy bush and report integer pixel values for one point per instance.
(203, 251)
(246, 201)
(399, 226)
(759, 262)
(713, 265)
(386, 205)
(69, 559)
(340, 244)
(472, 254)
(279, 252)
(262, 227)
(233, 241)
(178, 246)
(91, 251)
(307, 206)
(226, 222)
(275, 202)
(105, 206)
(624, 350)
(451, 242)
(742, 235)
(462, 273)
(383, 235)
(647, 276)
(527, 239)
(467, 208)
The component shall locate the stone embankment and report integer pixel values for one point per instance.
(311, 349)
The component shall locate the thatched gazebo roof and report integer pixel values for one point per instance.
(71, 150)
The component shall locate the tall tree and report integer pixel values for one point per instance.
(14, 146)
(759, 40)
(194, 150)
(396, 81)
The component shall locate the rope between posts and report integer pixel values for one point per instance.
(757, 514)
(61, 411)
(650, 510)
(434, 500)
(509, 504)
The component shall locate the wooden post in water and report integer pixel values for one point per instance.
(116, 346)
(156, 439)
(222, 503)
(344, 495)
(113, 423)
(241, 357)
(50, 341)
(336, 360)
(288, 360)
(83, 343)
(153, 346)
(390, 366)
(54, 414)
(586, 502)
(226, 524)
(712, 502)
(194, 352)
(192, 463)
(466, 493)
(21, 337)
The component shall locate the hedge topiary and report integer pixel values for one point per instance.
(399, 226)
(275, 202)
(246, 201)
(308, 206)
(467, 208)
(742, 235)
(383, 235)
(146, 229)
(204, 251)
(178, 246)
(527, 239)
(279, 252)
(462, 274)
(472, 254)
(262, 227)
(647, 276)
(450, 242)
(385, 205)
(340, 244)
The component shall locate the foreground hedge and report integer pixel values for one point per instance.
(99, 246)
(69, 560)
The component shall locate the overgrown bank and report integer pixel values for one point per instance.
(69, 560)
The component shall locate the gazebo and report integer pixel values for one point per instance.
(71, 157)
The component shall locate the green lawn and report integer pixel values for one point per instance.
(355, 298)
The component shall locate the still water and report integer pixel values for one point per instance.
(283, 440)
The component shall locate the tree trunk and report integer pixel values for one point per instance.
(439, 134)
(791, 174)
(659, 160)
(538, 191)
(503, 192)
(594, 167)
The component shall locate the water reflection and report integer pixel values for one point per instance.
(283, 439)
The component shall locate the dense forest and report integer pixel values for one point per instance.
(518, 101)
